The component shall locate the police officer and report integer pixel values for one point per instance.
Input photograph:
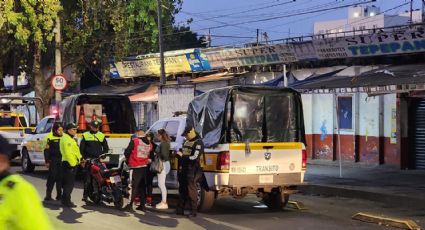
(71, 157)
(92, 146)
(53, 159)
(190, 171)
(20, 206)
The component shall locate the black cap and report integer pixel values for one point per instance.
(71, 126)
(56, 126)
(187, 129)
(5, 147)
(95, 123)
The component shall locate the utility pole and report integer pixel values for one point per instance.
(58, 56)
(423, 11)
(209, 37)
(411, 11)
(258, 34)
(160, 44)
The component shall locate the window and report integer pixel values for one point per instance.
(172, 128)
(345, 112)
(49, 125)
(40, 126)
(154, 129)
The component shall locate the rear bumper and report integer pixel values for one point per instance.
(218, 181)
(287, 179)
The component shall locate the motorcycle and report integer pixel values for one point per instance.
(109, 185)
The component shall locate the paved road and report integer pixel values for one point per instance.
(322, 213)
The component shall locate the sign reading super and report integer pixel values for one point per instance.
(381, 42)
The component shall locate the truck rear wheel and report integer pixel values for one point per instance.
(27, 166)
(275, 200)
(205, 198)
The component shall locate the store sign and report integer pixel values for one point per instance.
(150, 66)
(404, 40)
(261, 55)
(305, 51)
(198, 61)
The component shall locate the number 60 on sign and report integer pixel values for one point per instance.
(59, 82)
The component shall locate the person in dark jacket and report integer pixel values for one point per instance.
(92, 146)
(150, 175)
(189, 171)
(137, 155)
(53, 159)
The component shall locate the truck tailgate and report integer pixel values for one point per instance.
(266, 164)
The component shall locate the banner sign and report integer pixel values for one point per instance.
(403, 40)
(304, 51)
(150, 66)
(198, 61)
(259, 55)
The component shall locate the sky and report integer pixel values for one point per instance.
(235, 22)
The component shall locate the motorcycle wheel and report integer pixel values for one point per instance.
(118, 197)
(95, 197)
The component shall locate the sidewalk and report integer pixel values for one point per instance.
(384, 184)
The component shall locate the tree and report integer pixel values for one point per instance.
(101, 30)
(31, 24)
(182, 38)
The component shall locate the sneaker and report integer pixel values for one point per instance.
(162, 205)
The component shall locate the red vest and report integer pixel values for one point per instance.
(139, 157)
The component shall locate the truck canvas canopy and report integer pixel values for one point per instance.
(240, 114)
(117, 109)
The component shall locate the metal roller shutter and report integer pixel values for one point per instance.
(419, 134)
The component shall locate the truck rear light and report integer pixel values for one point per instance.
(223, 161)
(304, 159)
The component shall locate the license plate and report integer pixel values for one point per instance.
(266, 179)
(115, 179)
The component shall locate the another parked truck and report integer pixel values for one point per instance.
(254, 139)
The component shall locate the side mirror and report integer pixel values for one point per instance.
(28, 131)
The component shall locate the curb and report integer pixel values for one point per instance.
(390, 199)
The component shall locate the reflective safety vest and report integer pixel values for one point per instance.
(70, 150)
(99, 136)
(52, 152)
(20, 205)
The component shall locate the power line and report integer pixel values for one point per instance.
(241, 12)
(289, 15)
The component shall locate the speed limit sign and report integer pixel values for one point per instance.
(59, 82)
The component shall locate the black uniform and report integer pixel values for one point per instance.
(189, 174)
(52, 155)
(92, 146)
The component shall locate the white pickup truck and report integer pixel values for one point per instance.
(12, 126)
(116, 109)
(254, 138)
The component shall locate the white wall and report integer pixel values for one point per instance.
(172, 99)
(320, 115)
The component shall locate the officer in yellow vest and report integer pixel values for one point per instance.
(20, 205)
(71, 157)
(53, 158)
(92, 146)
